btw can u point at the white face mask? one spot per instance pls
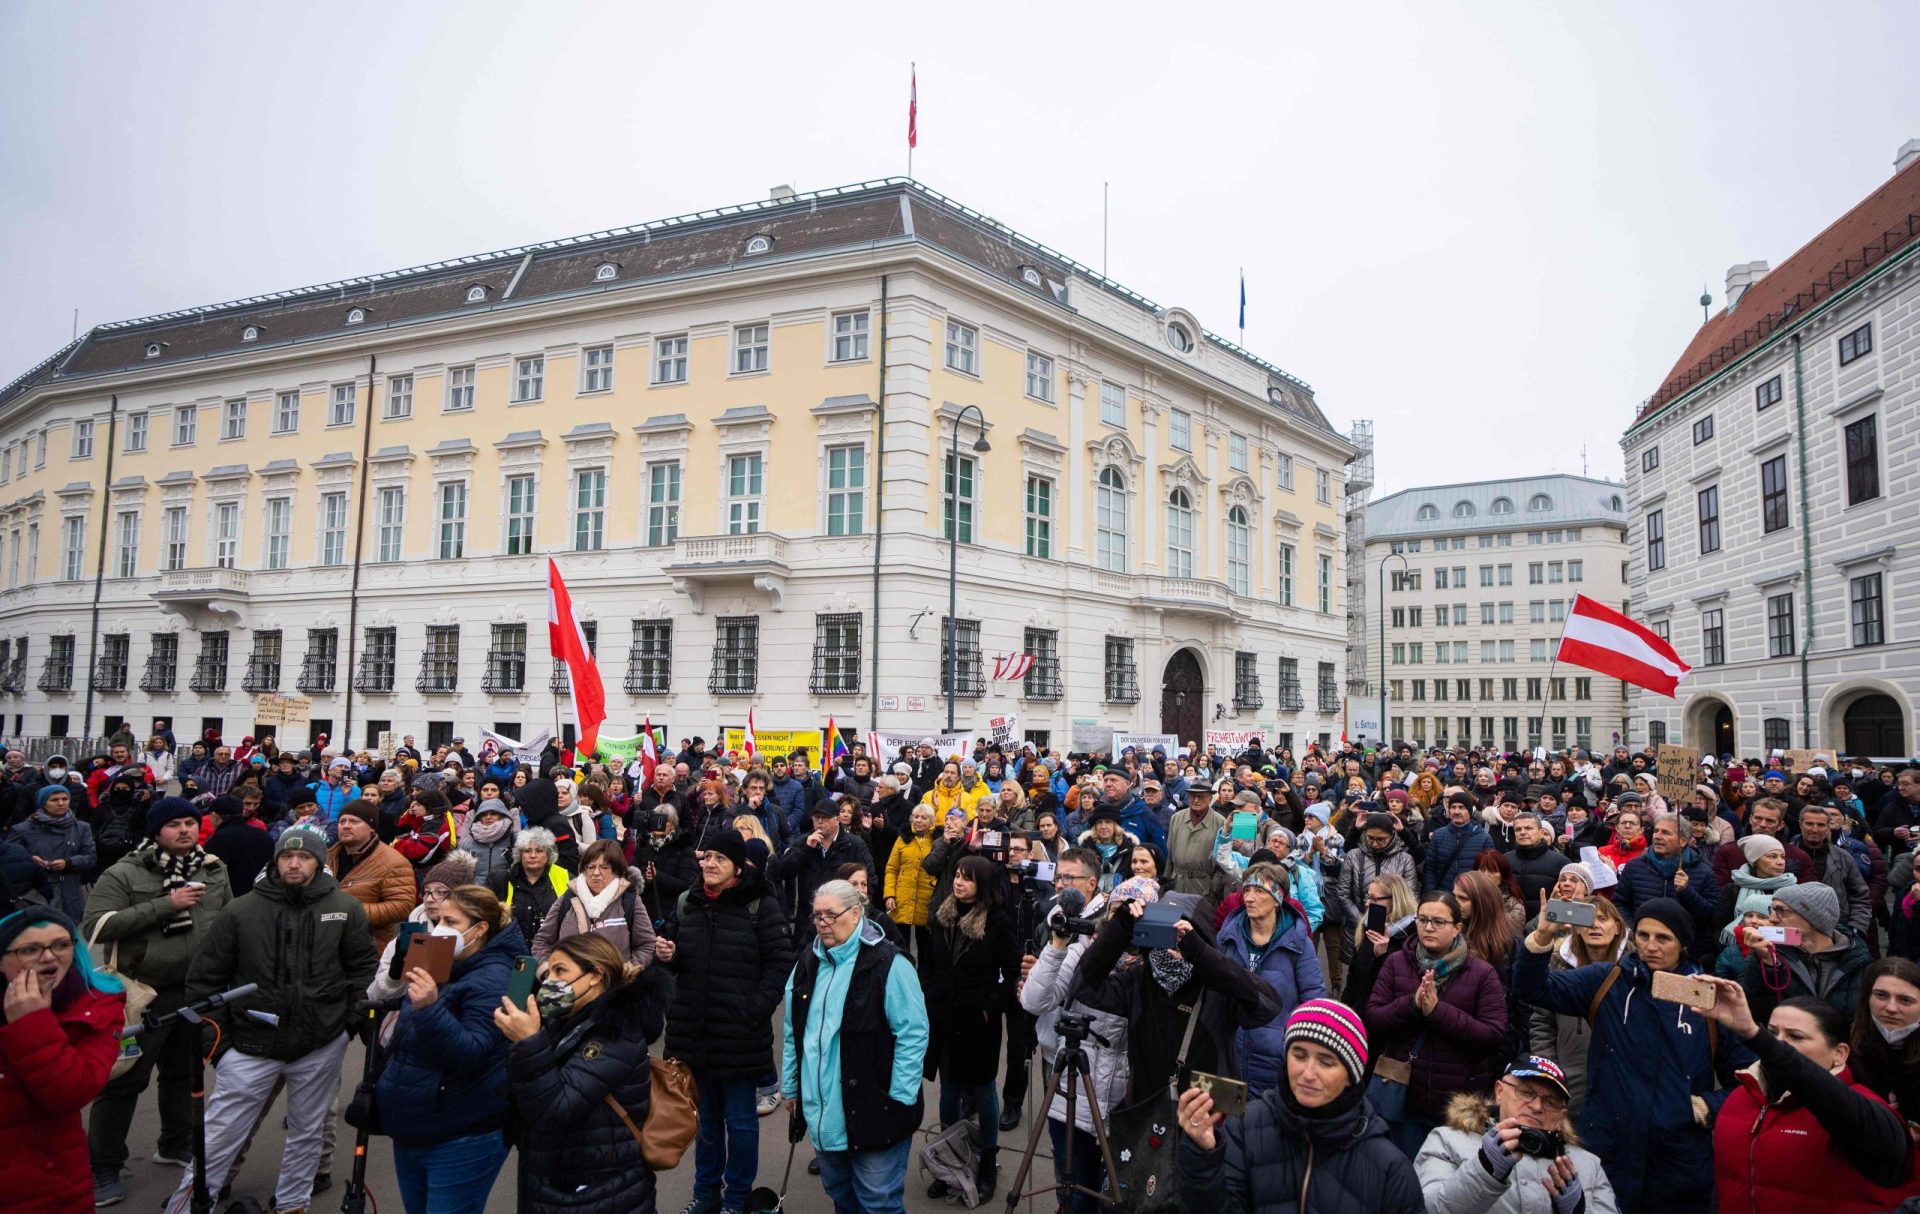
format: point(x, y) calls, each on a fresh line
point(459, 937)
point(1896, 1036)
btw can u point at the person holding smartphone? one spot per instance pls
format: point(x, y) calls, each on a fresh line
point(1825, 963)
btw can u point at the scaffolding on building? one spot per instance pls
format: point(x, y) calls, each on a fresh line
point(1359, 488)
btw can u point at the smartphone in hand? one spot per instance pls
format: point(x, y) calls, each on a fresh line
point(1229, 1095)
point(1691, 990)
point(524, 976)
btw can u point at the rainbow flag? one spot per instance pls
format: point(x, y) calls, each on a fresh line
point(837, 746)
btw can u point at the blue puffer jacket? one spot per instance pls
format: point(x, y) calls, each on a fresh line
point(446, 1072)
point(1290, 967)
point(1646, 1061)
point(1451, 850)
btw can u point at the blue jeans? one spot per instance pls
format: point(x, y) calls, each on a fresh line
point(452, 1177)
point(728, 1146)
point(1087, 1168)
point(866, 1182)
point(985, 1099)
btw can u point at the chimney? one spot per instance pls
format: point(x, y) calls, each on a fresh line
point(1908, 153)
point(781, 193)
point(1740, 277)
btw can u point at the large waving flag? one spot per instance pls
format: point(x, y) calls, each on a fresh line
point(749, 745)
point(1599, 638)
point(569, 645)
point(649, 754)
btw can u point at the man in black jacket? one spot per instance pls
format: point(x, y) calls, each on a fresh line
point(1536, 863)
point(307, 946)
point(811, 862)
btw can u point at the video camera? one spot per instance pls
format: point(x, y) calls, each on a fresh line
point(992, 843)
point(1038, 870)
point(1067, 918)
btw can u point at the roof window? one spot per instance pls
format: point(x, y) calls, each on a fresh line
point(759, 244)
point(357, 316)
point(476, 294)
point(250, 333)
point(607, 272)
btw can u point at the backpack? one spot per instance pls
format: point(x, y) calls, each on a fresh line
point(952, 1154)
point(117, 830)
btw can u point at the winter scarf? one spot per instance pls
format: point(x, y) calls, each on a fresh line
point(491, 829)
point(1666, 866)
point(596, 904)
point(1447, 964)
point(176, 871)
point(1170, 969)
point(972, 924)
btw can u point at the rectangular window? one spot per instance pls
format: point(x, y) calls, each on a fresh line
point(343, 404)
point(1487, 652)
point(226, 534)
point(1326, 584)
point(1656, 539)
point(1537, 650)
point(1486, 613)
point(1576, 571)
point(286, 412)
point(82, 445)
point(279, 531)
point(186, 425)
point(746, 475)
point(1237, 452)
point(1583, 688)
point(1285, 465)
point(1703, 430)
point(1766, 394)
point(960, 656)
point(1292, 696)
point(210, 667)
point(846, 490)
point(392, 513)
point(399, 402)
point(459, 389)
point(173, 527)
point(1180, 430)
point(1780, 625)
point(1113, 405)
point(957, 499)
point(263, 665)
point(1537, 611)
point(1713, 637)
point(1506, 575)
point(506, 659)
point(736, 656)
point(233, 419)
point(663, 504)
point(1039, 517)
point(1773, 494)
point(962, 352)
point(1506, 613)
point(378, 655)
point(1661, 629)
point(453, 520)
point(440, 661)
point(529, 377)
point(1329, 689)
point(1286, 575)
point(1122, 681)
point(320, 668)
point(1323, 487)
point(1556, 611)
point(333, 529)
point(1506, 651)
point(849, 336)
point(589, 509)
point(1043, 677)
point(520, 508)
point(163, 663)
point(1419, 688)
point(596, 369)
point(836, 655)
point(1857, 344)
point(650, 659)
point(126, 560)
point(1869, 626)
point(1709, 505)
point(670, 359)
point(116, 656)
point(1246, 682)
point(1486, 575)
point(749, 349)
point(1039, 376)
point(1863, 460)
point(1649, 459)
point(1776, 733)
point(1536, 571)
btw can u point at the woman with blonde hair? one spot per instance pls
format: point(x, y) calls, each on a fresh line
point(751, 828)
point(1370, 949)
point(909, 887)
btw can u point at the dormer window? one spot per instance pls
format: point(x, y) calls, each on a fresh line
point(1180, 337)
point(1501, 505)
point(357, 316)
point(1030, 276)
point(250, 333)
point(1428, 513)
point(757, 245)
point(476, 294)
point(1539, 502)
point(607, 272)
point(1276, 396)
point(1463, 510)
point(155, 349)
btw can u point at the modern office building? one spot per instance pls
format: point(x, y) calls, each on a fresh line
point(734, 432)
point(1474, 582)
point(1773, 484)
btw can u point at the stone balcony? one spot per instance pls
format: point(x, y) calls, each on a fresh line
point(207, 588)
point(703, 560)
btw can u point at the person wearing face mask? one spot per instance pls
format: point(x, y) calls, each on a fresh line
point(1799, 1132)
point(580, 1083)
point(442, 1093)
point(1886, 1034)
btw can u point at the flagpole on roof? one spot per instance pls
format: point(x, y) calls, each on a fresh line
point(913, 113)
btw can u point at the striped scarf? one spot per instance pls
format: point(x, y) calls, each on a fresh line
point(176, 871)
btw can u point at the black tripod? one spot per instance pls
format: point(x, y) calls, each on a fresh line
point(201, 1200)
point(1070, 1069)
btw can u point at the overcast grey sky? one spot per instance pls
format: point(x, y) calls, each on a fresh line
point(1483, 225)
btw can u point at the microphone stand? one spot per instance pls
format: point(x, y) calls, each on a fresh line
point(192, 1013)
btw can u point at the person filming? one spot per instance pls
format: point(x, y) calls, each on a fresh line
point(1502, 1156)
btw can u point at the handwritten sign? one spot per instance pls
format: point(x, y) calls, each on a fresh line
point(271, 708)
point(1676, 769)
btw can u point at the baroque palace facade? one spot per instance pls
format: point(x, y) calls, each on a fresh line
point(731, 430)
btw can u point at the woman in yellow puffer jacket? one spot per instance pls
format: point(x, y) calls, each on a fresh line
point(909, 887)
point(948, 792)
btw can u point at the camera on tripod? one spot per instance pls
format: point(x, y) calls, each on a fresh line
point(1039, 870)
point(1066, 919)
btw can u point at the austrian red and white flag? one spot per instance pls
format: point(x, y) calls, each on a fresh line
point(748, 744)
point(913, 107)
point(1013, 666)
point(1600, 638)
point(569, 645)
point(649, 755)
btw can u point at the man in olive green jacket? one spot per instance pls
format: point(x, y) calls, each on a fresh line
point(1190, 842)
point(154, 906)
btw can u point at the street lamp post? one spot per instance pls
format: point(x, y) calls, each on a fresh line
point(1381, 598)
point(981, 446)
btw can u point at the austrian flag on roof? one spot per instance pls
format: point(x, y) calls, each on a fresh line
point(1600, 638)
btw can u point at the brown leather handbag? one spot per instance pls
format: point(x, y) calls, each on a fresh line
point(673, 1115)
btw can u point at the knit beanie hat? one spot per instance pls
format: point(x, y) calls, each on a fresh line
point(1674, 918)
point(730, 844)
point(1756, 846)
point(368, 813)
point(455, 870)
point(1334, 1026)
point(166, 809)
point(40, 798)
point(1751, 900)
point(1813, 901)
point(1580, 872)
point(299, 838)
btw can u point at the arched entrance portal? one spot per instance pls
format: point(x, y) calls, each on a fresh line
point(1709, 726)
point(1183, 695)
point(1723, 731)
point(1874, 725)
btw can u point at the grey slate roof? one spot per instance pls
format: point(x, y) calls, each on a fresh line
point(1570, 501)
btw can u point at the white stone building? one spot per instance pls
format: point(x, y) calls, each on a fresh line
point(1774, 498)
point(1477, 581)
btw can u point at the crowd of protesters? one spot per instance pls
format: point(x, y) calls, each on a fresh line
point(1453, 981)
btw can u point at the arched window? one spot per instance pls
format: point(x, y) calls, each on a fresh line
point(757, 245)
point(154, 348)
point(1613, 503)
point(1501, 505)
point(1180, 337)
point(1110, 520)
point(1179, 534)
point(357, 316)
point(1428, 513)
point(250, 333)
point(1239, 545)
point(1463, 510)
point(476, 294)
point(1539, 502)
point(606, 273)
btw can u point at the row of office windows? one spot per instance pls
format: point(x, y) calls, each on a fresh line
point(1457, 615)
point(1491, 690)
point(1462, 731)
point(1504, 539)
point(1539, 573)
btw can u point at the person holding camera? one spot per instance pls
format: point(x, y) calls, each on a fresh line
point(1501, 1156)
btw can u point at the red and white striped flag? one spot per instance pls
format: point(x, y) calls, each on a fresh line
point(649, 756)
point(913, 107)
point(1599, 638)
point(569, 644)
point(1013, 666)
point(747, 744)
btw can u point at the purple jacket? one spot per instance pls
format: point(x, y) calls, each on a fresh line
point(1460, 1044)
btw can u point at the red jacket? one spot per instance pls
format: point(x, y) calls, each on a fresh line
point(51, 1065)
point(1770, 1158)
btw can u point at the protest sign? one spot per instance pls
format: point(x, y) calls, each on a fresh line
point(1230, 741)
point(770, 742)
point(271, 708)
point(1145, 742)
point(527, 750)
point(1002, 729)
point(1088, 736)
point(947, 746)
point(1676, 769)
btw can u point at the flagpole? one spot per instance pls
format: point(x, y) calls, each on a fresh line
point(1546, 691)
point(913, 113)
point(1243, 307)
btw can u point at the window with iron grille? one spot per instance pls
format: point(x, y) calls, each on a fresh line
point(960, 655)
point(1246, 682)
point(506, 659)
point(1780, 625)
point(210, 667)
point(110, 671)
point(440, 661)
point(57, 674)
point(1123, 677)
point(1713, 637)
point(1777, 733)
point(1657, 733)
point(1292, 699)
point(1863, 460)
point(15, 679)
point(319, 668)
point(836, 655)
point(1869, 627)
point(163, 663)
point(377, 660)
point(1043, 677)
point(263, 665)
point(560, 682)
point(650, 660)
point(1329, 689)
point(736, 656)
